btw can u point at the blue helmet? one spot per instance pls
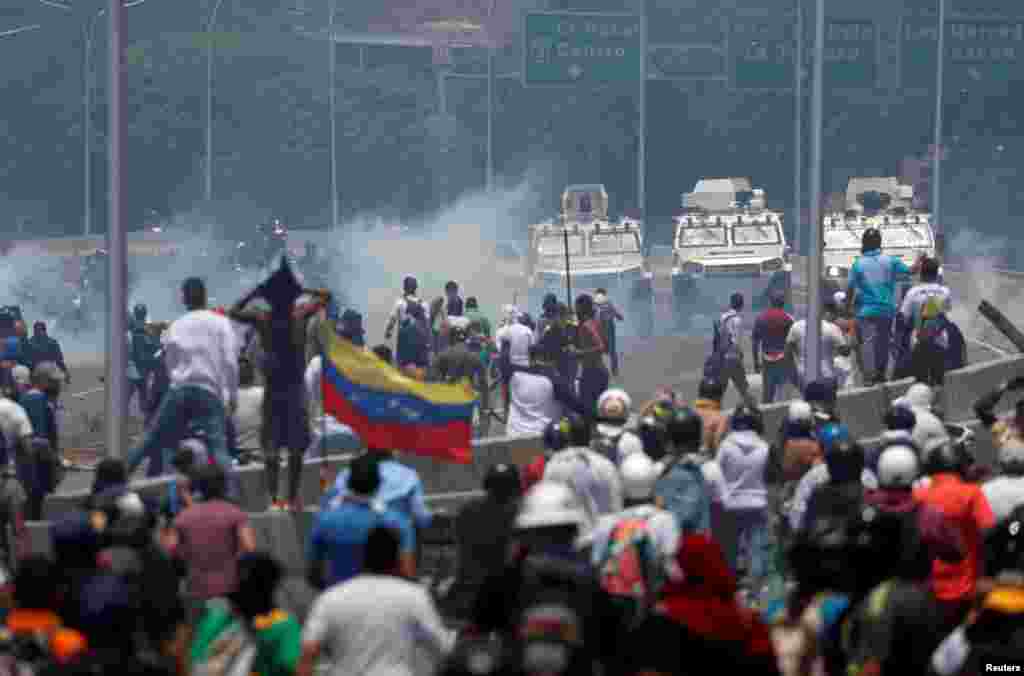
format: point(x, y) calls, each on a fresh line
point(832, 434)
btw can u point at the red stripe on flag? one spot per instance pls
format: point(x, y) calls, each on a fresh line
point(450, 442)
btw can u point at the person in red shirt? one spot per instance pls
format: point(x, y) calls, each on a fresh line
point(701, 595)
point(769, 348)
point(965, 506)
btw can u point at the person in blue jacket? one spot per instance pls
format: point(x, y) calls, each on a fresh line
point(872, 284)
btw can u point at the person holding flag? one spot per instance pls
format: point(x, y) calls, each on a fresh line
point(282, 334)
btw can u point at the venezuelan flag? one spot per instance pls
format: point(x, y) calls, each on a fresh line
point(389, 410)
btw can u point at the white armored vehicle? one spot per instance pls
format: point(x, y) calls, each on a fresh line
point(727, 240)
point(880, 203)
point(602, 252)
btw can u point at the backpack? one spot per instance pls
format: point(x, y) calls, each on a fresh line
point(629, 565)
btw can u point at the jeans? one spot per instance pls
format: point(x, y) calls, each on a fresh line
point(613, 350)
point(593, 383)
point(184, 408)
point(875, 338)
point(751, 544)
point(774, 376)
point(733, 371)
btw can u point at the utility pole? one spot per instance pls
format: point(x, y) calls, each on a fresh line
point(798, 131)
point(117, 355)
point(813, 334)
point(937, 150)
point(334, 122)
point(208, 191)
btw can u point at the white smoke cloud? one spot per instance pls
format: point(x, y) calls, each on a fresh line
point(975, 277)
point(369, 260)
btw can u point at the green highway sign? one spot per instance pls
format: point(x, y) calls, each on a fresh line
point(851, 53)
point(685, 62)
point(977, 50)
point(762, 52)
point(574, 48)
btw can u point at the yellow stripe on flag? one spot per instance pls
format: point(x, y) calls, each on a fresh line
point(364, 368)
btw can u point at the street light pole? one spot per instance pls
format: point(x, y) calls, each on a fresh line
point(208, 192)
point(117, 356)
point(936, 182)
point(813, 332)
point(641, 148)
point(88, 83)
point(334, 123)
point(798, 131)
point(490, 100)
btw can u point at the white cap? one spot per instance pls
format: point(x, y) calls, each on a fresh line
point(800, 410)
point(551, 503)
point(639, 474)
point(629, 444)
point(898, 467)
point(130, 504)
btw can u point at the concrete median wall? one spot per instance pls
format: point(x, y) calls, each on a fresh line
point(449, 486)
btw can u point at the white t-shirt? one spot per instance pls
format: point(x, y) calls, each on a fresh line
point(201, 350)
point(519, 338)
point(532, 404)
point(376, 625)
point(594, 477)
point(831, 340)
point(918, 295)
point(398, 314)
point(14, 423)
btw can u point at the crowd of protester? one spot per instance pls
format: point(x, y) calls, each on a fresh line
point(672, 537)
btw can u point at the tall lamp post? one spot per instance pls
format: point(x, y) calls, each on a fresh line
point(117, 296)
point(88, 29)
point(936, 182)
point(208, 185)
point(332, 65)
point(813, 344)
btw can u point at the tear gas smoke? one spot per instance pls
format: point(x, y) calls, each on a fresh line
point(977, 277)
point(369, 259)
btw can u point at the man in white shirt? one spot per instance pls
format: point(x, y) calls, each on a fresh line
point(201, 353)
point(832, 343)
point(515, 339)
point(537, 395)
point(377, 623)
point(409, 288)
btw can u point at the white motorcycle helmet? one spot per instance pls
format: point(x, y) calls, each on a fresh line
point(639, 474)
point(551, 503)
point(629, 444)
point(898, 466)
point(1011, 458)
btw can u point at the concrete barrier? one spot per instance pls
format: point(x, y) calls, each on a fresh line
point(964, 386)
point(861, 410)
point(284, 535)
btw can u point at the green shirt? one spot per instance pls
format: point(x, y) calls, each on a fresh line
point(277, 634)
point(485, 323)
